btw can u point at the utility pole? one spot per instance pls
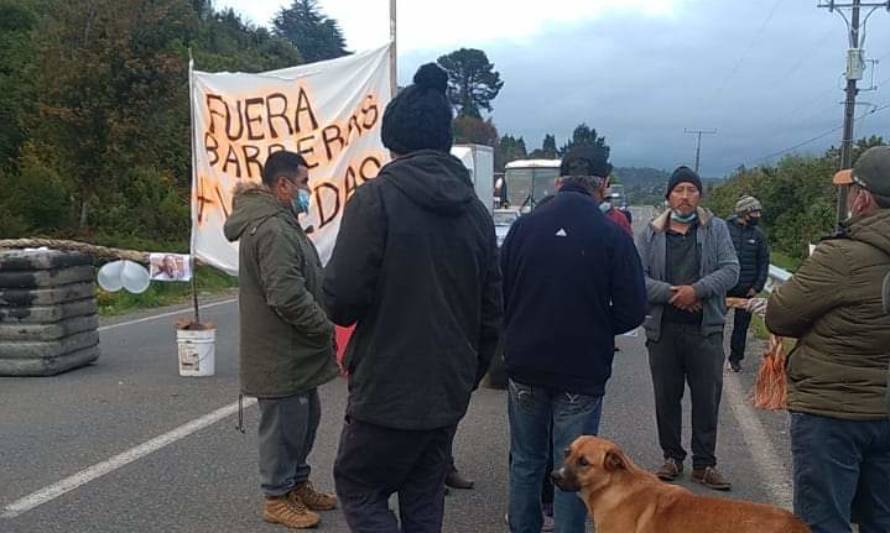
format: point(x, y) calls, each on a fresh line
point(854, 73)
point(393, 57)
point(699, 133)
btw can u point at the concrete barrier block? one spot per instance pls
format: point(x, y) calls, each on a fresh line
point(52, 296)
point(49, 366)
point(47, 314)
point(44, 279)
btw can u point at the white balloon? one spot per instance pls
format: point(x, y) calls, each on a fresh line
point(109, 277)
point(135, 277)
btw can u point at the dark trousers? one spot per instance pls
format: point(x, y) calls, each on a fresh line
point(739, 335)
point(684, 355)
point(841, 473)
point(373, 462)
point(286, 436)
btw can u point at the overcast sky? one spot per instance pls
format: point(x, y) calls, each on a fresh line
point(765, 73)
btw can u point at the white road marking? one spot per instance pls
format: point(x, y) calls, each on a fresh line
point(165, 315)
point(98, 470)
point(769, 466)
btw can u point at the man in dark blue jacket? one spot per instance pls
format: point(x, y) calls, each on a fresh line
point(753, 251)
point(572, 281)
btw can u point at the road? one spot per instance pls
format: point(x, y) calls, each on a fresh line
point(59, 429)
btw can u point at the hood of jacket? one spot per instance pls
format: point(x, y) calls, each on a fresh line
point(872, 229)
point(660, 223)
point(437, 181)
point(252, 203)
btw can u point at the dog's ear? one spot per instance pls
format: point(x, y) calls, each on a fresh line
point(614, 461)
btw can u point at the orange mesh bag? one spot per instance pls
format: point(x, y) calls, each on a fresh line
point(770, 391)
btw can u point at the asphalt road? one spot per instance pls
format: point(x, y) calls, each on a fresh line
point(54, 428)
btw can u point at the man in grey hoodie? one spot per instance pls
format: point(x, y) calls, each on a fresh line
point(690, 264)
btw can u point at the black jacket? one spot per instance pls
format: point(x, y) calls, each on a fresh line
point(753, 251)
point(415, 266)
point(572, 281)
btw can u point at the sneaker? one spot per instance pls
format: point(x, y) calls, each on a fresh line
point(711, 478)
point(311, 498)
point(735, 366)
point(549, 524)
point(457, 481)
point(670, 470)
point(284, 511)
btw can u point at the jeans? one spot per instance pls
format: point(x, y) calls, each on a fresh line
point(741, 321)
point(541, 418)
point(286, 436)
point(841, 473)
point(373, 462)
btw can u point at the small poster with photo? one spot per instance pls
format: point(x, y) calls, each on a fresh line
point(170, 267)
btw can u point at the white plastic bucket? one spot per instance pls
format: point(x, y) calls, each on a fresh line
point(196, 351)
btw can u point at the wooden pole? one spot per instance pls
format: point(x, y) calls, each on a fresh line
point(393, 51)
point(194, 182)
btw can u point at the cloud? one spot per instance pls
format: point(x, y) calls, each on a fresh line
point(764, 73)
point(432, 24)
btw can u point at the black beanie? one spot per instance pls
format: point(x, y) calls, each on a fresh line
point(419, 117)
point(683, 175)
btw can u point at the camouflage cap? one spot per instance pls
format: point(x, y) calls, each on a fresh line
point(872, 170)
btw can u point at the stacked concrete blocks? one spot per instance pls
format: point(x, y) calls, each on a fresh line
point(48, 321)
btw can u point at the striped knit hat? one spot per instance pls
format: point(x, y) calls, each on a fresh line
point(747, 204)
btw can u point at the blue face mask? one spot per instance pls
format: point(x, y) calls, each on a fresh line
point(605, 207)
point(676, 216)
point(301, 203)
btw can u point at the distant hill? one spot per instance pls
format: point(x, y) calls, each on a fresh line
point(642, 185)
point(645, 185)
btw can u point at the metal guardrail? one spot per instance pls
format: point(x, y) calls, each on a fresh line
point(777, 276)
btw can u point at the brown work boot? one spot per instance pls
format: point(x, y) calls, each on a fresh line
point(670, 470)
point(311, 498)
point(282, 510)
point(711, 478)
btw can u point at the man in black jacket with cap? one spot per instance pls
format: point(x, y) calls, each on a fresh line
point(415, 267)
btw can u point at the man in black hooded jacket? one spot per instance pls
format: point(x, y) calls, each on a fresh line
point(415, 267)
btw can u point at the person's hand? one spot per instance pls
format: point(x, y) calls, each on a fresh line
point(757, 306)
point(685, 298)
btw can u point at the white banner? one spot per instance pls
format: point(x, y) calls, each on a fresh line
point(330, 112)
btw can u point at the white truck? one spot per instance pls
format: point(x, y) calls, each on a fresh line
point(479, 160)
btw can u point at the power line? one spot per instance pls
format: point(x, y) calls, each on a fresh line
point(820, 136)
point(744, 54)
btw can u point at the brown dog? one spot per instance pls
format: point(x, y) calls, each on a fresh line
point(623, 498)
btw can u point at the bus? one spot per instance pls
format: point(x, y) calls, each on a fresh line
point(527, 181)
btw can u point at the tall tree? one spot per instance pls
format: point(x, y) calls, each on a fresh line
point(17, 22)
point(472, 81)
point(509, 148)
point(584, 134)
point(547, 150)
point(475, 131)
point(316, 36)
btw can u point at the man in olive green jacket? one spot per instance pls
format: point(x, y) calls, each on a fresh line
point(286, 337)
point(837, 373)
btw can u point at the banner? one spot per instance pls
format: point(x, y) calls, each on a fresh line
point(330, 112)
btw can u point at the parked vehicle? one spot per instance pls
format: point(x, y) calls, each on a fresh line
point(479, 160)
point(528, 181)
